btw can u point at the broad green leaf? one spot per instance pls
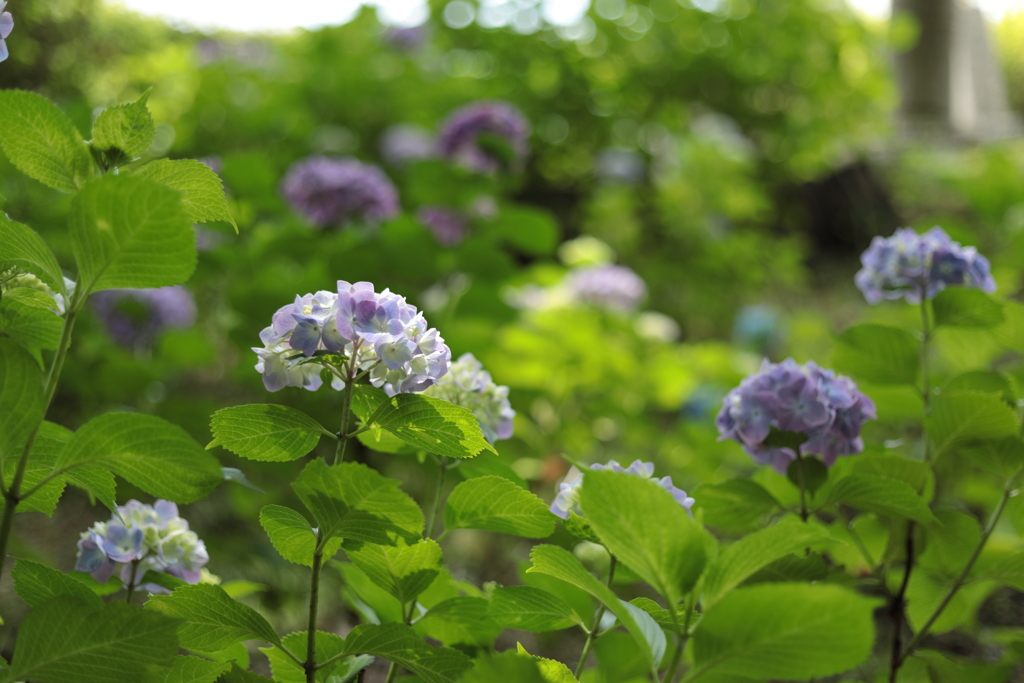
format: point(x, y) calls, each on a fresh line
point(987, 381)
point(962, 307)
point(328, 645)
point(21, 400)
point(506, 667)
point(914, 472)
point(749, 554)
point(482, 467)
point(809, 470)
point(531, 609)
point(352, 501)
point(784, 631)
point(292, 535)
point(400, 644)
point(235, 654)
point(202, 190)
point(434, 425)
point(371, 602)
point(162, 579)
point(669, 555)
point(459, 621)
point(950, 543)
point(124, 131)
point(964, 417)
point(927, 590)
point(25, 317)
point(653, 634)
point(240, 675)
point(42, 142)
point(561, 564)
point(36, 583)
point(49, 443)
point(661, 615)
point(266, 431)
point(883, 496)
point(551, 671)
point(736, 505)
point(404, 571)
point(130, 232)
point(1010, 333)
point(70, 640)
point(194, 670)
point(212, 620)
point(22, 247)
point(1008, 570)
point(877, 353)
point(497, 504)
point(95, 480)
point(797, 568)
point(151, 453)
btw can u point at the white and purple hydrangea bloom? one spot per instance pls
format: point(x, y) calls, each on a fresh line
point(448, 226)
point(608, 286)
point(467, 384)
point(387, 336)
point(467, 127)
point(6, 26)
point(805, 399)
point(152, 537)
point(908, 265)
point(134, 318)
point(329, 191)
point(567, 499)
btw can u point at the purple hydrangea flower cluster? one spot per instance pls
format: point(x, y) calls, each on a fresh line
point(328, 191)
point(136, 317)
point(152, 535)
point(448, 226)
point(567, 499)
point(607, 286)
point(405, 142)
point(6, 26)
point(467, 384)
point(407, 38)
point(461, 135)
point(385, 335)
point(908, 265)
point(806, 399)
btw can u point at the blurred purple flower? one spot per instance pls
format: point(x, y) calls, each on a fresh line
point(405, 142)
point(908, 265)
point(448, 226)
point(136, 317)
point(607, 286)
point(329, 191)
point(486, 136)
point(407, 38)
point(827, 408)
point(567, 499)
point(6, 26)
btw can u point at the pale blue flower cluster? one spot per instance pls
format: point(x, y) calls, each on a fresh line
point(469, 126)
point(134, 318)
point(387, 336)
point(154, 536)
point(567, 499)
point(908, 265)
point(467, 384)
point(827, 408)
point(405, 142)
point(329, 191)
point(6, 26)
point(608, 286)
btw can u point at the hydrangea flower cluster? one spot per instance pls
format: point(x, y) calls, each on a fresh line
point(806, 399)
point(404, 142)
point(152, 535)
point(384, 334)
point(461, 135)
point(567, 499)
point(907, 265)
point(134, 318)
point(6, 26)
point(13, 278)
point(329, 191)
point(467, 384)
point(448, 226)
point(407, 38)
point(607, 286)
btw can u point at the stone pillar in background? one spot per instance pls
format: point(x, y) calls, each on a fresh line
point(951, 84)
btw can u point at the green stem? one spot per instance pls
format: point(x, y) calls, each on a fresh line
point(592, 633)
point(803, 485)
point(681, 639)
point(314, 600)
point(131, 581)
point(437, 498)
point(926, 391)
point(346, 406)
point(13, 494)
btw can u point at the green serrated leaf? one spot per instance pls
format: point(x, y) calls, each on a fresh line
point(49, 443)
point(661, 616)
point(25, 318)
point(670, 555)
point(794, 568)
point(400, 644)
point(551, 671)
point(71, 640)
point(212, 620)
point(809, 470)
point(328, 645)
point(404, 571)
point(531, 609)
point(130, 232)
point(292, 535)
point(202, 190)
point(36, 584)
point(962, 307)
point(887, 497)
point(42, 142)
point(239, 675)
point(959, 418)
point(21, 400)
point(879, 354)
point(1002, 457)
point(22, 247)
point(460, 620)
point(507, 667)
point(987, 381)
point(918, 474)
point(434, 425)
point(126, 130)
point(266, 432)
point(736, 505)
point(194, 670)
point(497, 504)
point(151, 453)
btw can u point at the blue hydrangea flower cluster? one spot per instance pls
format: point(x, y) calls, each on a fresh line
point(386, 335)
point(152, 535)
point(908, 265)
point(448, 226)
point(467, 384)
point(608, 286)
point(567, 499)
point(461, 135)
point(806, 399)
point(6, 26)
point(329, 191)
point(134, 318)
